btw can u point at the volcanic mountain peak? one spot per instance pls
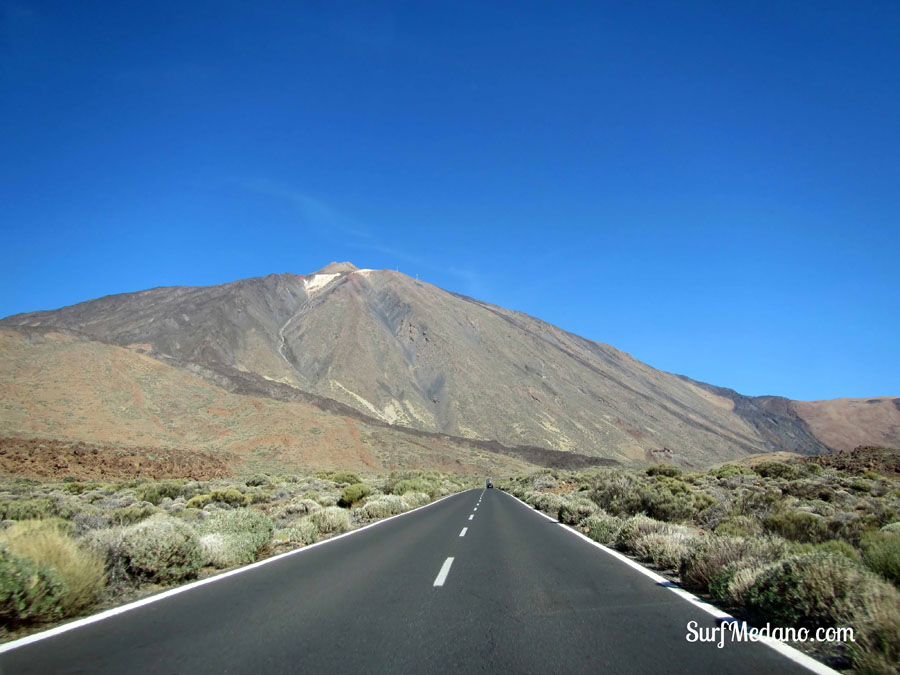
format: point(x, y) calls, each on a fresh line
point(411, 354)
point(337, 268)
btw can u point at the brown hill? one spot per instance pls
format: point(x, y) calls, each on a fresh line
point(404, 353)
point(61, 387)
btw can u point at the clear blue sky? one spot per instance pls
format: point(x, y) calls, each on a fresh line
point(712, 187)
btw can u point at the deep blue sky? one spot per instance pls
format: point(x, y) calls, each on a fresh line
point(712, 188)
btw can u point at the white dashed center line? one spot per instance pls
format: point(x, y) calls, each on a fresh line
point(472, 516)
point(442, 575)
point(463, 533)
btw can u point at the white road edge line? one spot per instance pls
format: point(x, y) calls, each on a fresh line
point(463, 533)
point(109, 613)
point(442, 575)
point(787, 651)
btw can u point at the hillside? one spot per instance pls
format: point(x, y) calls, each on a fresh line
point(408, 354)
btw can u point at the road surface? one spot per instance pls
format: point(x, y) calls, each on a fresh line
point(521, 595)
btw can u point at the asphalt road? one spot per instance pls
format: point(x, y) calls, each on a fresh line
point(522, 595)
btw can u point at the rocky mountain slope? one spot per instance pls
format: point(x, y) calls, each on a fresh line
point(408, 354)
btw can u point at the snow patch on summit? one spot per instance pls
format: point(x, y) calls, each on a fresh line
point(318, 281)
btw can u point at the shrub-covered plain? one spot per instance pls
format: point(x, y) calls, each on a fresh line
point(794, 544)
point(68, 548)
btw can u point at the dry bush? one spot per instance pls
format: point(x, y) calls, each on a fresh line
point(666, 551)
point(79, 567)
point(331, 520)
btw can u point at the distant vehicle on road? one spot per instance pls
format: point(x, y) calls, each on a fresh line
point(489, 483)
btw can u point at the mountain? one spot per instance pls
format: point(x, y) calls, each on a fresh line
point(406, 354)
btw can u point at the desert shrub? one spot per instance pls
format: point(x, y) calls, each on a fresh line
point(575, 509)
point(602, 527)
point(809, 489)
point(548, 502)
point(155, 491)
point(814, 590)
point(731, 471)
point(198, 501)
point(739, 526)
point(664, 470)
point(848, 526)
point(663, 550)
point(222, 550)
point(891, 527)
point(293, 508)
point(877, 628)
point(383, 506)
point(881, 553)
point(346, 477)
point(776, 470)
point(304, 531)
point(240, 536)
point(28, 592)
point(810, 469)
point(231, 497)
point(414, 500)
point(716, 559)
point(161, 549)
point(257, 480)
point(836, 547)
point(28, 509)
point(352, 494)
point(331, 520)
point(50, 547)
point(636, 527)
point(415, 485)
point(798, 526)
point(132, 514)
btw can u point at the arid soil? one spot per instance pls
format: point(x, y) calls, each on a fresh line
point(49, 459)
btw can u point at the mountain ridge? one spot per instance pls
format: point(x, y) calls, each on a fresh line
point(409, 354)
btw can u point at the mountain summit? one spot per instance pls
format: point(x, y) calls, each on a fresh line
point(408, 353)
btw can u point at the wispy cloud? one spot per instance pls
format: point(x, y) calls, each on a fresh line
point(362, 235)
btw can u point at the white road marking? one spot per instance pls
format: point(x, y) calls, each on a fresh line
point(115, 611)
point(472, 516)
point(786, 651)
point(442, 575)
point(463, 533)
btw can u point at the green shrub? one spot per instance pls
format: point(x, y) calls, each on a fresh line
point(155, 491)
point(304, 532)
point(574, 509)
point(881, 552)
point(891, 527)
point(383, 506)
point(663, 550)
point(877, 628)
point(776, 470)
point(258, 480)
point(813, 590)
point(161, 549)
point(602, 528)
point(346, 477)
point(739, 526)
point(50, 547)
point(28, 592)
point(248, 529)
point(731, 471)
point(132, 514)
point(639, 526)
point(331, 520)
point(414, 500)
point(415, 485)
point(231, 496)
point(664, 470)
point(352, 494)
point(28, 509)
point(798, 526)
point(715, 559)
point(198, 501)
